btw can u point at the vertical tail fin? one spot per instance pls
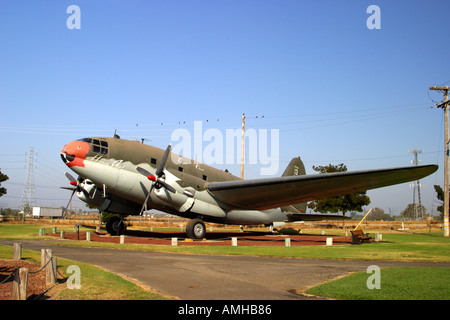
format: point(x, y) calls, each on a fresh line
point(295, 168)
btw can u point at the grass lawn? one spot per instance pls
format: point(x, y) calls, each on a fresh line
point(396, 283)
point(405, 247)
point(396, 246)
point(31, 231)
point(96, 283)
point(412, 283)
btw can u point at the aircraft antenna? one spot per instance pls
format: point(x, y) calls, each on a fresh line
point(28, 194)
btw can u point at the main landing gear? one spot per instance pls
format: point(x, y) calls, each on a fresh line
point(195, 229)
point(115, 226)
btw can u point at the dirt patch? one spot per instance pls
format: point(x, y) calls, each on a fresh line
point(36, 281)
point(212, 238)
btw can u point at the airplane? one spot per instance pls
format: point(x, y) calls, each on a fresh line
point(128, 177)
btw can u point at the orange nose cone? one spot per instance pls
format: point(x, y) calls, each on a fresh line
point(74, 153)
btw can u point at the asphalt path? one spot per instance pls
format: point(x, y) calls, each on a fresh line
point(215, 277)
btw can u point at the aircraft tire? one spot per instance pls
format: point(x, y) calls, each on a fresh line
point(115, 226)
point(195, 229)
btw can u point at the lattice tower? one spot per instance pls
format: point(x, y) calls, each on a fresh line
point(28, 194)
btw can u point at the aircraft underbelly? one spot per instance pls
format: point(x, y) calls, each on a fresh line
point(254, 216)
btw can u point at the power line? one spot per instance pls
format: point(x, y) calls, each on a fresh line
point(356, 115)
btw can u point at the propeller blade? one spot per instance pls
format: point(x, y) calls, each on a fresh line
point(70, 199)
point(160, 170)
point(166, 185)
point(70, 177)
point(146, 173)
point(144, 206)
point(143, 171)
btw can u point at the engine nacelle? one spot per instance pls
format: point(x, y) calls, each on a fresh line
point(92, 195)
point(89, 194)
point(179, 200)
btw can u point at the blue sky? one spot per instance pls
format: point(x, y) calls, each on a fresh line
point(336, 90)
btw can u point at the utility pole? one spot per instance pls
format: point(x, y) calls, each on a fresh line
point(444, 105)
point(243, 146)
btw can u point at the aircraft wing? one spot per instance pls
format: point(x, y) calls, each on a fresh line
point(268, 193)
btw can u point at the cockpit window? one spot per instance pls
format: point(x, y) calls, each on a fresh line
point(98, 146)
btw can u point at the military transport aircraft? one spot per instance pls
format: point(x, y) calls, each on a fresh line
point(128, 177)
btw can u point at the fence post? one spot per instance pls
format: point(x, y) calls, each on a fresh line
point(42, 257)
point(50, 269)
point(54, 271)
point(287, 242)
point(20, 284)
point(17, 251)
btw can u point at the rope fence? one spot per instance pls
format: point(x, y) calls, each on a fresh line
point(20, 281)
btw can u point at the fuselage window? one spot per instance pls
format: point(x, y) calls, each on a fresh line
point(205, 177)
point(153, 161)
point(180, 169)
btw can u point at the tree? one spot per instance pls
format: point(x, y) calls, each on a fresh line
point(3, 177)
point(378, 214)
point(413, 210)
point(440, 196)
point(344, 203)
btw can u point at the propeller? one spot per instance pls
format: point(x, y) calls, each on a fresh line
point(158, 180)
point(74, 183)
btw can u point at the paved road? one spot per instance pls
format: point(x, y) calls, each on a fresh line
point(199, 277)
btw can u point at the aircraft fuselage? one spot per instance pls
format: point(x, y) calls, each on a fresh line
point(109, 180)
